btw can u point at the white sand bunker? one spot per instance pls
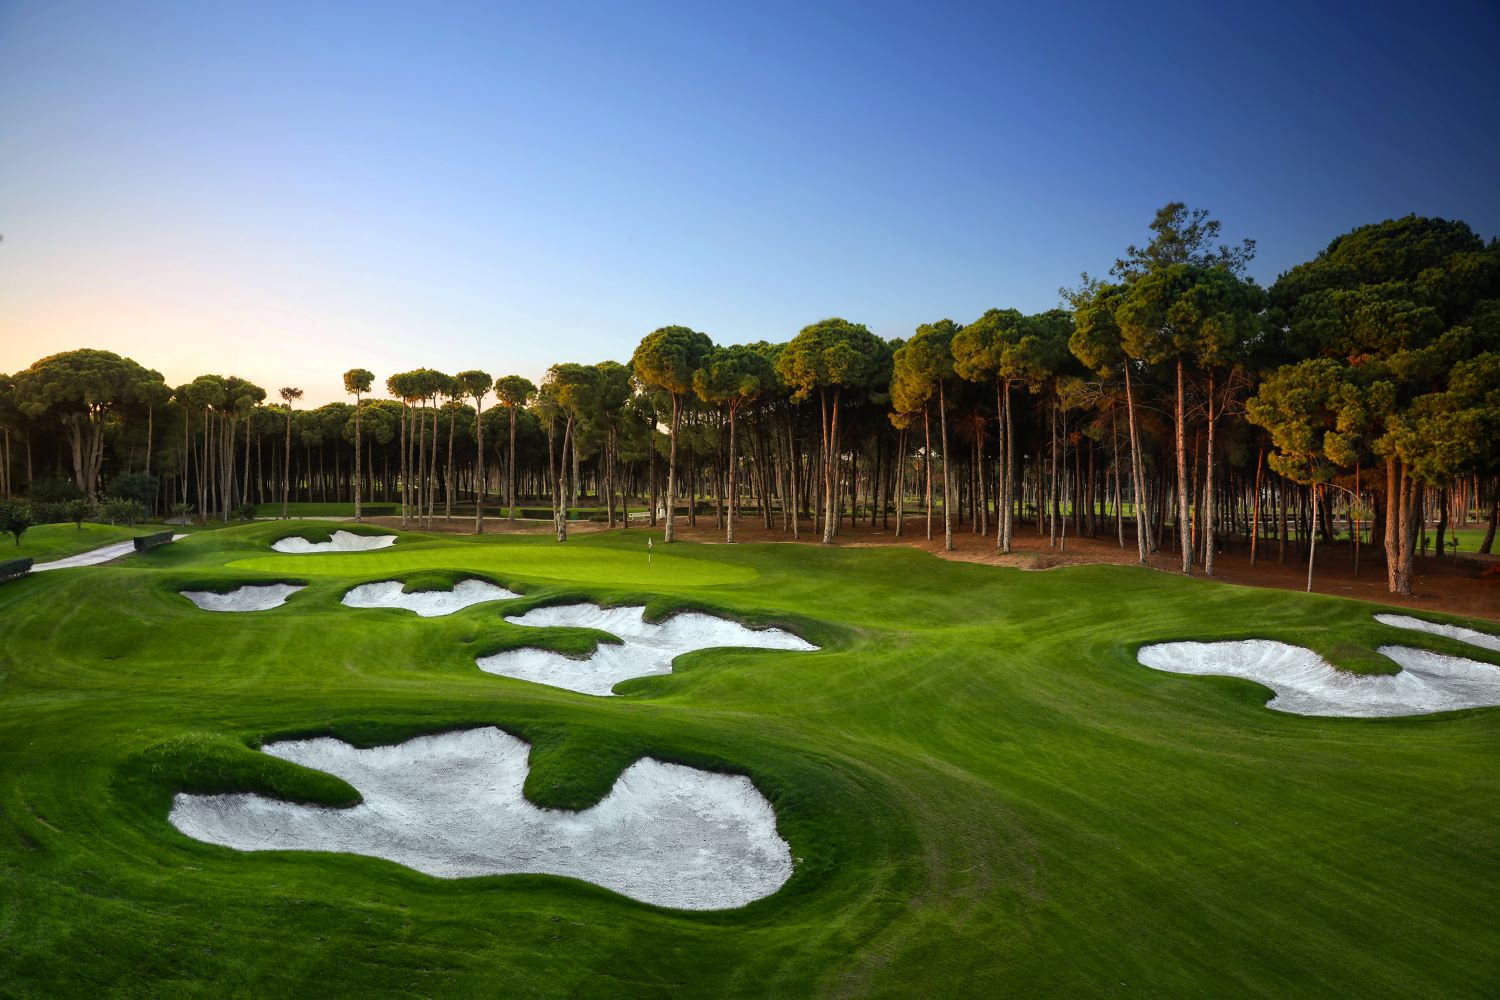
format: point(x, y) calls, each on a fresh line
point(647, 649)
point(427, 603)
point(342, 541)
point(248, 598)
point(1307, 684)
point(1472, 636)
point(451, 805)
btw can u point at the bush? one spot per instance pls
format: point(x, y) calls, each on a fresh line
point(80, 510)
point(116, 510)
point(51, 511)
point(245, 512)
point(51, 490)
point(14, 569)
point(152, 541)
point(137, 486)
point(15, 518)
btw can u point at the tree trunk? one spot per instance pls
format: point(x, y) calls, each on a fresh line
point(1209, 532)
point(1137, 473)
point(432, 468)
point(947, 478)
point(1312, 536)
point(448, 486)
point(1184, 523)
point(510, 466)
point(900, 482)
point(480, 486)
point(404, 466)
point(651, 475)
point(560, 505)
point(672, 470)
point(1260, 460)
point(1393, 504)
point(927, 456)
point(791, 453)
point(1442, 525)
point(1114, 464)
point(729, 523)
point(1058, 487)
point(1052, 497)
point(830, 465)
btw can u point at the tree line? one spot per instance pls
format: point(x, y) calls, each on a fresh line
point(1173, 404)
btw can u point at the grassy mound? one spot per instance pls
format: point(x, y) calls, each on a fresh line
point(46, 542)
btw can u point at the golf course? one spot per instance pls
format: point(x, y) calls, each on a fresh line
point(830, 501)
point(981, 790)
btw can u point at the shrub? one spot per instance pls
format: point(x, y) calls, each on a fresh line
point(80, 510)
point(52, 490)
point(119, 509)
point(15, 518)
point(245, 512)
point(137, 486)
point(14, 569)
point(50, 511)
point(152, 541)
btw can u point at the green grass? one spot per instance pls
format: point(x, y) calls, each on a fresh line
point(316, 509)
point(331, 508)
point(986, 794)
point(47, 542)
point(1469, 539)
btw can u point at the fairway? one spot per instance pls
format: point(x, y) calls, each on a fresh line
point(518, 559)
point(983, 792)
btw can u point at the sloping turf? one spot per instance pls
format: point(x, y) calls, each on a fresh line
point(46, 542)
point(985, 794)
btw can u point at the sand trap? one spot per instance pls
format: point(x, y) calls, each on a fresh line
point(93, 557)
point(342, 541)
point(1306, 684)
point(427, 603)
point(247, 598)
point(1472, 636)
point(647, 649)
point(450, 805)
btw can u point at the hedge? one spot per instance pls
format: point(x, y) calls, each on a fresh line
point(145, 542)
point(14, 569)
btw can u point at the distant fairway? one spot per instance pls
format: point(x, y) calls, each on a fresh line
point(983, 792)
point(518, 558)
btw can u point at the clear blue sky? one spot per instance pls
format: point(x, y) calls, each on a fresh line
point(284, 191)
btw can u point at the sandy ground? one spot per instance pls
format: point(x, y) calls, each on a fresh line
point(247, 598)
point(1306, 684)
point(94, 557)
point(451, 805)
point(645, 648)
point(341, 541)
point(426, 603)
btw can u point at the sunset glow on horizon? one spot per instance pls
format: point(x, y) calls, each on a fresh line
point(284, 197)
